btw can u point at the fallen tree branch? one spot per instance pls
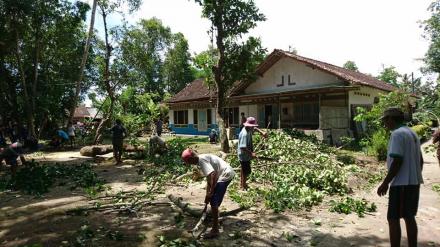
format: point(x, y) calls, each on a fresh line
point(115, 207)
point(185, 207)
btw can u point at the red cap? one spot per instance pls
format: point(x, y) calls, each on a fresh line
point(186, 154)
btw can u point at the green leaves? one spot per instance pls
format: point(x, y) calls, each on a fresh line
point(298, 172)
point(36, 179)
point(347, 205)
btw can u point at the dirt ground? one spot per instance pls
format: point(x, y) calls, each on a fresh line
point(27, 220)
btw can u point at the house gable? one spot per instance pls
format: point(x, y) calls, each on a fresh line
point(288, 74)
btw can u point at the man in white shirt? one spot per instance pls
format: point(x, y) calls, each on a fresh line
point(405, 164)
point(218, 174)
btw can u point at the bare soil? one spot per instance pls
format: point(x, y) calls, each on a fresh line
point(27, 220)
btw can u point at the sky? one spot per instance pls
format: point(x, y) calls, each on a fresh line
point(372, 33)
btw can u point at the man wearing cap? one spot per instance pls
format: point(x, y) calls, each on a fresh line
point(405, 164)
point(10, 155)
point(245, 149)
point(218, 174)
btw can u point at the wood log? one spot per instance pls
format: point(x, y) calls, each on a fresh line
point(92, 151)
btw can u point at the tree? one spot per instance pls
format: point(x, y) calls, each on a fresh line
point(83, 62)
point(177, 67)
point(40, 40)
point(106, 8)
point(351, 66)
point(390, 75)
point(230, 21)
point(142, 49)
point(432, 33)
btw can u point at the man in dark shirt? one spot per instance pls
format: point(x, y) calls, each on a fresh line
point(159, 124)
point(119, 134)
point(10, 155)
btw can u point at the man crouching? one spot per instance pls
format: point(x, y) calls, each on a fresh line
point(218, 174)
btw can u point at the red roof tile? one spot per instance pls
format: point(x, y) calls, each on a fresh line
point(195, 91)
point(350, 76)
point(198, 91)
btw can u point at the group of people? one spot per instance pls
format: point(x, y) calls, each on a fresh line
point(404, 163)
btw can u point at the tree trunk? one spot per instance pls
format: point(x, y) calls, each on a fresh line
point(108, 87)
point(35, 81)
point(83, 63)
point(28, 108)
point(218, 70)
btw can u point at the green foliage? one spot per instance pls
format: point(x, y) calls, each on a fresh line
point(376, 136)
point(142, 46)
point(172, 159)
point(422, 131)
point(36, 179)
point(346, 159)
point(350, 65)
point(372, 116)
point(379, 144)
point(390, 75)
point(436, 188)
point(51, 37)
point(178, 242)
point(298, 172)
point(348, 205)
point(177, 67)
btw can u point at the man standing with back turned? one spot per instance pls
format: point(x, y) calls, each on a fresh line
point(119, 134)
point(405, 164)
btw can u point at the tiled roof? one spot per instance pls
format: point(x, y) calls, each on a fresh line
point(90, 112)
point(350, 76)
point(195, 91)
point(198, 91)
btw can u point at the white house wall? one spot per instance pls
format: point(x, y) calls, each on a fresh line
point(301, 77)
point(191, 116)
point(171, 117)
point(364, 96)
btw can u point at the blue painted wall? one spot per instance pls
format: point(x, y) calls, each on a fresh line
point(191, 130)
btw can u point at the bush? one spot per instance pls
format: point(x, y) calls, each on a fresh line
point(379, 144)
point(423, 131)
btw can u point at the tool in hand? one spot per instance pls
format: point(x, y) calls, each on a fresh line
point(198, 230)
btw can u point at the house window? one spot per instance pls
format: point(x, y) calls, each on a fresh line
point(288, 79)
point(209, 117)
point(285, 111)
point(231, 117)
point(181, 119)
point(306, 114)
point(195, 118)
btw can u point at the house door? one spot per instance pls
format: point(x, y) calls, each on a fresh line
point(268, 117)
point(202, 124)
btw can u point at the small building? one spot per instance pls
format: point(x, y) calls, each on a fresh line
point(83, 114)
point(290, 91)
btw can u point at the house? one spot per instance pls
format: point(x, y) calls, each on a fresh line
point(290, 91)
point(83, 114)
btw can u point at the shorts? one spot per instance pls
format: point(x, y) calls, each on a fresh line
point(11, 161)
point(246, 168)
point(403, 201)
point(219, 193)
